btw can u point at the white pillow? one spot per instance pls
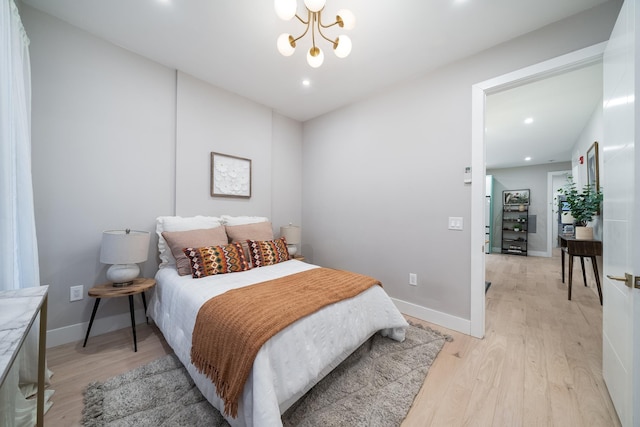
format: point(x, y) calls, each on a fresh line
point(242, 220)
point(177, 223)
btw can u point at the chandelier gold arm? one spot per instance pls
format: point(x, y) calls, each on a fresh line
point(314, 19)
point(339, 22)
point(334, 43)
point(302, 20)
point(292, 41)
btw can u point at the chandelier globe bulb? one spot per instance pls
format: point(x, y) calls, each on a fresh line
point(314, 5)
point(348, 19)
point(342, 46)
point(284, 45)
point(315, 57)
point(285, 9)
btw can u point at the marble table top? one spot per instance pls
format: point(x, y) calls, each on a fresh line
point(18, 310)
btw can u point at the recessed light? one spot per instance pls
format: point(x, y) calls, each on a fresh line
point(527, 159)
point(306, 82)
point(528, 120)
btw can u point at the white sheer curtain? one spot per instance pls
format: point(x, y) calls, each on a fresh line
point(18, 245)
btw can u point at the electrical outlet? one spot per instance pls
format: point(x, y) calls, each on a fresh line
point(413, 279)
point(75, 293)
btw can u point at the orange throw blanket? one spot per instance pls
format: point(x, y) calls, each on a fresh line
point(231, 328)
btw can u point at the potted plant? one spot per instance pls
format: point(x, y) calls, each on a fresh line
point(584, 205)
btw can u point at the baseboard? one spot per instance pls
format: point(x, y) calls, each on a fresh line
point(439, 318)
point(101, 325)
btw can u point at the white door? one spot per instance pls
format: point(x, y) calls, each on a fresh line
point(620, 181)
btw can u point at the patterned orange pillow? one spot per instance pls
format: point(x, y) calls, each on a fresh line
point(268, 252)
point(210, 260)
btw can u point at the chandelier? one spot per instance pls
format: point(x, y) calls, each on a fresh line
point(287, 9)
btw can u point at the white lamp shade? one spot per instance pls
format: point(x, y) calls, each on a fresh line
point(122, 247)
point(284, 46)
point(291, 233)
point(344, 46)
point(348, 19)
point(314, 5)
point(285, 9)
point(315, 61)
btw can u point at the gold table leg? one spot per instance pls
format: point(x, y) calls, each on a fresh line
point(42, 350)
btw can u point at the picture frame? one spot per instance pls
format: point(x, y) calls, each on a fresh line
point(593, 178)
point(515, 197)
point(230, 176)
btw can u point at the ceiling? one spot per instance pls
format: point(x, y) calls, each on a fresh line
point(560, 107)
point(232, 44)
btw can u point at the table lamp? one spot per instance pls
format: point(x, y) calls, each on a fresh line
point(124, 249)
point(291, 233)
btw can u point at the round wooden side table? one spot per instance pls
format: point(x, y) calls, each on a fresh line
point(107, 290)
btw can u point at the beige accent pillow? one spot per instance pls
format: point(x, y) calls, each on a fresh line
point(179, 240)
point(178, 223)
point(242, 233)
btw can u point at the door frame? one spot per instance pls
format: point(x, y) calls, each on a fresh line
point(479, 92)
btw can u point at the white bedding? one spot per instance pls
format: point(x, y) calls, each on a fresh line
point(293, 360)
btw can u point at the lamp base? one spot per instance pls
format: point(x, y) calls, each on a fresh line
point(122, 274)
point(293, 249)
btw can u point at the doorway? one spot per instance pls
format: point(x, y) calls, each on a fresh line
point(479, 93)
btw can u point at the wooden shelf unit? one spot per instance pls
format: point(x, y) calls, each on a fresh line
point(515, 225)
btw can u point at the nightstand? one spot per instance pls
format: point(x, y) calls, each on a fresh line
point(107, 290)
point(298, 257)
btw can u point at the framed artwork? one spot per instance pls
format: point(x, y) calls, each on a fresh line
point(592, 167)
point(515, 197)
point(230, 176)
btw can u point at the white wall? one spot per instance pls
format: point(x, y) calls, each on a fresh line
point(103, 123)
point(401, 157)
point(211, 119)
point(119, 140)
point(286, 172)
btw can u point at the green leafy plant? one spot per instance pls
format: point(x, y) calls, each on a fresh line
point(583, 204)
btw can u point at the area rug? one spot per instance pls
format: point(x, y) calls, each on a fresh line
point(375, 386)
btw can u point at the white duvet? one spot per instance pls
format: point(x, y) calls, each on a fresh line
point(293, 360)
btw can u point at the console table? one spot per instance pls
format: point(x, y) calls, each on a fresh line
point(18, 311)
point(581, 248)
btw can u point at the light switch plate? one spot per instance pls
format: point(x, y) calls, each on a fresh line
point(456, 223)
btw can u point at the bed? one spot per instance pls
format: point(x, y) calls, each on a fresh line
point(291, 361)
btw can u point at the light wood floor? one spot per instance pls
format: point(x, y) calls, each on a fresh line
point(540, 363)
